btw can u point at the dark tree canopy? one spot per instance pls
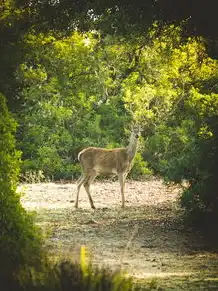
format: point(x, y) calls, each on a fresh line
point(124, 15)
point(117, 16)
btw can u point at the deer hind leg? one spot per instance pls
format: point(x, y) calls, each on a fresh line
point(80, 178)
point(87, 184)
point(81, 181)
point(121, 177)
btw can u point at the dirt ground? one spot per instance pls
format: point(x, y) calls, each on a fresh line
point(146, 239)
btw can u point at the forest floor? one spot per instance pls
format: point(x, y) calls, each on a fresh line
point(146, 239)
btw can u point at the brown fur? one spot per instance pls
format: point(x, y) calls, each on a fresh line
point(95, 161)
point(106, 159)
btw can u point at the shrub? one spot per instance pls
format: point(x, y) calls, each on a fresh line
point(67, 276)
point(19, 238)
point(140, 168)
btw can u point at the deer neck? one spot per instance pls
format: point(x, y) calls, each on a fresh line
point(132, 147)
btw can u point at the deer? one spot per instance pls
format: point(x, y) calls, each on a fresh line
point(96, 161)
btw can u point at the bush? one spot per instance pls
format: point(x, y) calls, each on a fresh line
point(67, 276)
point(140, 168)
point(19, 238)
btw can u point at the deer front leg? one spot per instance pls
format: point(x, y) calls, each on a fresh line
point(122, 182)
point(87, 185)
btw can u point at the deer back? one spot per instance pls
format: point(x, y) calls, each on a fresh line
point(104, 161)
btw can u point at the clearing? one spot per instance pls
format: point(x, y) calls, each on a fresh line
point(146, 239)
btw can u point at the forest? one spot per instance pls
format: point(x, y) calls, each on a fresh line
point(76, 74)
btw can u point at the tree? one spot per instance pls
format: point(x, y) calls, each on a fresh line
point(117, 18)
point(174, 94)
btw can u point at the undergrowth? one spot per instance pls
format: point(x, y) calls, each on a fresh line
point(64, 275)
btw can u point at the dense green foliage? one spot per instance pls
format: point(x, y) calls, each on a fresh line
point(174, 93)
point(19, 238)
point(123, 18)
